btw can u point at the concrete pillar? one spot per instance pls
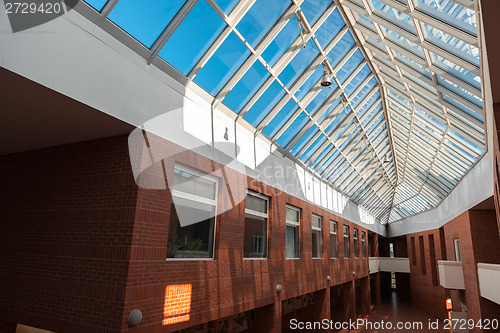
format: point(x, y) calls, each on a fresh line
point(322, 306)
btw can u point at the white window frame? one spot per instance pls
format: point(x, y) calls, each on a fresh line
point(346, 237)
point(334, 232)
point(355, 242)
point(456, 244)
point(295, 225)
point(192, 197)
point(363, 245)
point(258, 214)
point(320, 243)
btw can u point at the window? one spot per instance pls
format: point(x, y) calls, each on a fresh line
point(422, 254)
point(355, 238)
point(316, 236)
point(191, 231)
point(413, 252)
point(432, 251)
point(346, 241)
point(256, 224)
point(292, 233)
point(333, 239)
point(363, 244)
point(456, 242)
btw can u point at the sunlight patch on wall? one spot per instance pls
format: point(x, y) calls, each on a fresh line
point(177, 304)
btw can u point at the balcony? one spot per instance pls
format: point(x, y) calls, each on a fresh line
point(373, 265)
point(396, 265)
point(385, 264)
point(489, 275)
point(451, 275)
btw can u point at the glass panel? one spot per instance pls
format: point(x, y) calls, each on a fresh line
point(456, 70)
point(255, 237)
point(280, 119)
point(394, 16)
point(282, 42)
point(304, 139)
point(190, 240)
point(259, 19)
point(246, 87)
point(193, 37)
point(312, 149)
point(349, 66)
point(322, 155)
point(144, 20)
point(293, 129)
point(333, 245)
point(292, 215)
point(264, 104)
point(292, 242)
point(298, 63)
point(329, 29)
point(453, 44)
point(222, 65)
point(313, 9)
point(460, 91)
point(450, 12)
point(356, 80)
point(363, 94)
point(346, 242)
point(192, 184)
point(316, 221)
point(226, 5)
point(310, 82)
point(97, 4)
point(340, 49)
point(256, 204)
point(316, 244)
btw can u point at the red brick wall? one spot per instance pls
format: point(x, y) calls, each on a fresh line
point(67, 219)
point(229, 284)
point(82, 245)
point(424, 294)
point(479, 242)
point(496, 160)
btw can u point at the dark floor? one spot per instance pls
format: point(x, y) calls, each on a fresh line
point(394, 311)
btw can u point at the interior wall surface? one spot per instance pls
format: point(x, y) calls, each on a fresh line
point(83, 235)
point(478, 239)
point(73, 56)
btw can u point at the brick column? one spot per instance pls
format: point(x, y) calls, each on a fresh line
point(322, 306)
point(349, 300)
point(376, 288)
point(365, 305)
point(268, 318)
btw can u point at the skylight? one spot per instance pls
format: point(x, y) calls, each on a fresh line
point(401, 123)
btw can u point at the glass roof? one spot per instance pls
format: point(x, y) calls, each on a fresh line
point(402, 122)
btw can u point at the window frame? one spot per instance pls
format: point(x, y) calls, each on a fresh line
point(355, 241)
point(293, 224)
point(258, 214)
point(320, 238)
point(363, 245)
point(347, 236)
point(193, 197)
point(334, 232)
point(456, 246)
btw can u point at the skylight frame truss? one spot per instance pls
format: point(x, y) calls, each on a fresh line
point(379, 183)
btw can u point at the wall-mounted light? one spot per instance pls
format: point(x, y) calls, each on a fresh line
point(135, 317)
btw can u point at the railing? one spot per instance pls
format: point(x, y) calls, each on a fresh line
point(385, 264)
point(373, 265)
point(489, 275)
point(451, 275)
